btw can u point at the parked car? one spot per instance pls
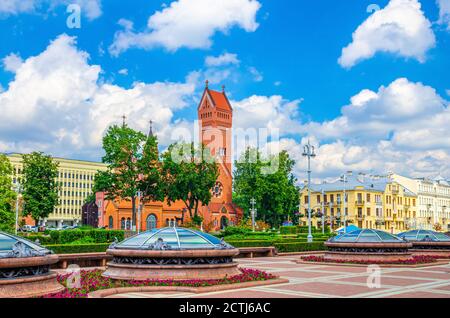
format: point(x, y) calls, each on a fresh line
point(29, 228)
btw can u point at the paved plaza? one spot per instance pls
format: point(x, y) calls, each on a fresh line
point(317, 281)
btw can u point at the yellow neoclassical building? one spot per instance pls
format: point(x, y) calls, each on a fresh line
point(371, 202)
point(76, 179)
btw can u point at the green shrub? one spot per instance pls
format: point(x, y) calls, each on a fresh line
point(235, 230)
point(97, 236)
point(83, 241)
point(288, 230)
point(299, 247)
point(250, 243)
point(75, 249)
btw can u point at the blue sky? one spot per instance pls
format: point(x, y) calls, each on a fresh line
point(284, 54)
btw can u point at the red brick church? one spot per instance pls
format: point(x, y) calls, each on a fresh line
point(215, 116)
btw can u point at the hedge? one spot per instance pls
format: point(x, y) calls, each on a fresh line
point(99, 236)
point(75, 249)
point(299, 247)
point(267, 243)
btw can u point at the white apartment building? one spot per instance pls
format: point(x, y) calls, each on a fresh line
point(433, 200)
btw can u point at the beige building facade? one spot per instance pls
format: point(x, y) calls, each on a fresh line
point(372, 202)
point(433, 198)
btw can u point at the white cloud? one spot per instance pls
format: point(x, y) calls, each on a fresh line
point(375, 115)
point(444, 12)
point(257, 75)
point(224, 59)
point(271, 112)
point(401, 28)
point(190, 24)
point(92, 9)
point(58, 103)
point(403, 127)
point(16, 6)
point(12, 62)
point(123, 71)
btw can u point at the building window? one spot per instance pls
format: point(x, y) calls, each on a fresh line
point(151, 222)
point(122, 224)
point(111, 222)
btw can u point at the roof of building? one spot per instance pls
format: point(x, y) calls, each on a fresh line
point(355, 182)
point(220, 100)
point(19, 155)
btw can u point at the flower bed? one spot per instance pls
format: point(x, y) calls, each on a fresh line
point(93, 280)
point(414, 260)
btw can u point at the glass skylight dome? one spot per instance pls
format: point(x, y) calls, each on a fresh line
point(424, 235)
point(14, 246)
point(366, 236)
point(172, 238)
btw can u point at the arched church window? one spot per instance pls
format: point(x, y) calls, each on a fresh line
point(151, 222)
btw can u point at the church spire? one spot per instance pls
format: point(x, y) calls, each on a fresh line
point(150, 133)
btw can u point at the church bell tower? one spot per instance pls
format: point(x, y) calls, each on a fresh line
point(215, 116)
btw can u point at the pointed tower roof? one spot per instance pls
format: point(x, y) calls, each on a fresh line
point(219, 99)
point(150, 133)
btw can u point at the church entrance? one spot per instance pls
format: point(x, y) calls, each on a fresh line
point(223, 222)
point(151, 222)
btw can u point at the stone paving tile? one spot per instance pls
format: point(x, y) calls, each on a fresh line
point(302, 274)
point(422, 274)
point(419, 294)
point(151, 295)
point(315, 280)
point(391, 281)
point(246, 293)
point(341, 269)
point(330, 289)
point(278, 266)
point(445, 287)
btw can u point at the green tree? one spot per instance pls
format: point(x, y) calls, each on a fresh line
point(151, 181)
point(7, 195)
point(270, 182)
point(190, 173)
point(40, 187)
point(123, 151)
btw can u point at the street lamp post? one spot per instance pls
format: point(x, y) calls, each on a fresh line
point(18, 190)
point(253, 212)
point(139, 195)
point(308, 151)
point(323, 212)
point(344, 180)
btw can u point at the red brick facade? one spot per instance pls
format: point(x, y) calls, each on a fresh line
point(215, 116)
